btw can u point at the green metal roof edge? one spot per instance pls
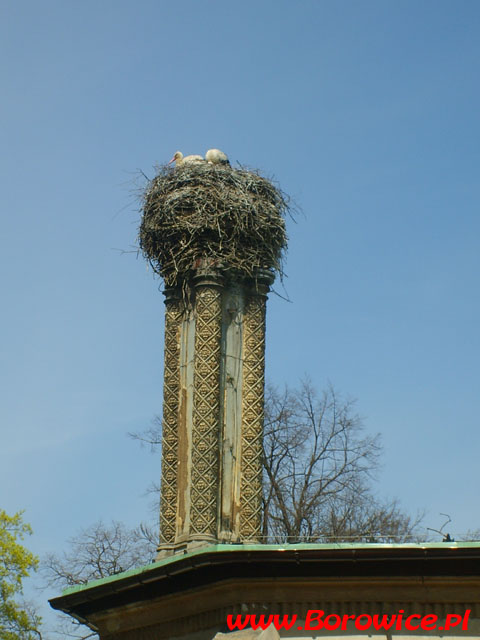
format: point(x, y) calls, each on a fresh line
point(222, 548)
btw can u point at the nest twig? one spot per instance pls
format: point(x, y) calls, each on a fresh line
point(232, 218)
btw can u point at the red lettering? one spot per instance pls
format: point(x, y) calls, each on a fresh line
point(240, 622)
point(408, 623)
point(315, 621)
point(428, 623)
point(398, 626)
point(285, 623)
point(365, 626)
point(261, 622)
point(384, 623)
point(319, 613)
point(455, 618)
point(345, 620)
point(334, 625)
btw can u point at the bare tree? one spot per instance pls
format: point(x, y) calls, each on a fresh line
point(319, 468)
point(94, 553)
point(98, 552)
point(318, 472)
point(472, 535)
point(363, 517)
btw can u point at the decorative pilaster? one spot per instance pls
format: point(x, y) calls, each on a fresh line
point(231, 376)
point(206, 407)
point(168, 497)
point(253, 408)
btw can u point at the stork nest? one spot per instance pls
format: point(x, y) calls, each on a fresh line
point(200, 213)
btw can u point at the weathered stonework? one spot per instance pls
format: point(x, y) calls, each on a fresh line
point(252, 413)
point(170, 418)
point(213, 411)
point(206, 408)
point(190, 596)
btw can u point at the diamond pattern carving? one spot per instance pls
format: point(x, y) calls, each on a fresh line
point(171, 381)
point(205, 436)
point(252, 417)
point(195, 487)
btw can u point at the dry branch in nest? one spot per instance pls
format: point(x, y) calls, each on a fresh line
point(200, 213)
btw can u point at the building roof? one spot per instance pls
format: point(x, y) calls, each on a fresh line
point(211, 564)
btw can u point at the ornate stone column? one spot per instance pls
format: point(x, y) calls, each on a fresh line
point(213, 410)
point(206, 407)
point(253, 407)
point(168, 496)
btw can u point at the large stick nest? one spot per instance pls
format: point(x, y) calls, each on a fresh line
point(199, 213)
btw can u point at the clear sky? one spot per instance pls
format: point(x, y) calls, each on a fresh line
point(367, 113)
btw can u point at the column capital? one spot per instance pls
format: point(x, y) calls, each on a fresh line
point(261, 281)
point(208, 277)
point(172, 294)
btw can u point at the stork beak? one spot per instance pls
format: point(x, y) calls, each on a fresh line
point(172, 160)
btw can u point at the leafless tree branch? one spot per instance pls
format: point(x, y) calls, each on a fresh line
point(318, 469)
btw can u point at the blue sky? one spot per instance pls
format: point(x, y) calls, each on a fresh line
point(367, 115)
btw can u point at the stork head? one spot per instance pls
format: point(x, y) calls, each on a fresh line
point(177, 157)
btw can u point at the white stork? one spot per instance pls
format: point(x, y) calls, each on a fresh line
point(180, 159)
point(215, 156)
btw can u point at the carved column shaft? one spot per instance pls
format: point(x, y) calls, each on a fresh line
point(168, 496)
point(253, 414)
point(206, 409)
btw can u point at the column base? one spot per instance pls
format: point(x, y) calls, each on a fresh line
point(172, 549)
